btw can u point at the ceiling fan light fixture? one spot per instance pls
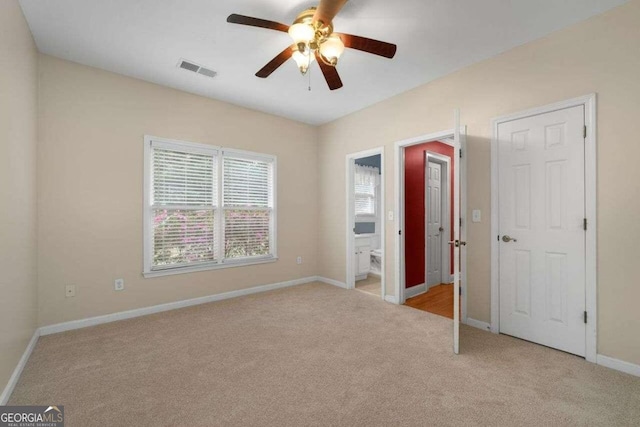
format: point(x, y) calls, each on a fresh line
point(331, 49)
point(312, 34)
point(302, 34)
point(302, 60)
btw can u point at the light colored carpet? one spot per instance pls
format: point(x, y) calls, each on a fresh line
point(315, 355)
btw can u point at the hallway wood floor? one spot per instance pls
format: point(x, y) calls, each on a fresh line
point(438, 300)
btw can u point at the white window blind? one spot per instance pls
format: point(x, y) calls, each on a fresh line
point(366, 181)
point(207, 206)
point(184, 201)
point(248, 206)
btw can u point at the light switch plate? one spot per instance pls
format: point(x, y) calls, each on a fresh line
point(390, 215)
point(476, 215)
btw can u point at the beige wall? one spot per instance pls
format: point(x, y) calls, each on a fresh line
point(90, 155)
point(599, 55)
point(18, 127)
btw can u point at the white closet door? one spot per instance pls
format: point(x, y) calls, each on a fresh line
point(542, 237)
point(434, 223)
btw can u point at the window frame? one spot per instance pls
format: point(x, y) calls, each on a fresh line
point(220, 263)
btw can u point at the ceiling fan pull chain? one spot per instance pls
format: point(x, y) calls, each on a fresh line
point(309, 72)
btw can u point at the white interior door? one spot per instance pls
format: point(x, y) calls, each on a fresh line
point(433, 205)
point(542, 237)
point(455, 186)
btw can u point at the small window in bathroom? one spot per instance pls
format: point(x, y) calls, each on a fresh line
point(366, 180)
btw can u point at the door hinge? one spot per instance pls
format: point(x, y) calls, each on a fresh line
point(585, 317)
point(399, 232)
point(460, 289)
point(584, 224)
point(498, 237)
point(460, 222)
point(585, 132)
point(460, 153)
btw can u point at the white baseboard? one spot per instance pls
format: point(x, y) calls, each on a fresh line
point(478, 324)
point(618, 365)
point(391, 298)
point(113, 317)
point(415, 290)
point(331, 282)
point(4, 397)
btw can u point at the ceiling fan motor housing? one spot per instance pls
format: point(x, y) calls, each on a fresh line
point(322, 30)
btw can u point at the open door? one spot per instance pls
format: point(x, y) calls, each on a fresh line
point(414, 155)
point(456, 232)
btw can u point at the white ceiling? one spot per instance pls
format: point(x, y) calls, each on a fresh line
point(147, 38)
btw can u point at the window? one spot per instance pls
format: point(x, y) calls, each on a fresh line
point(206, 207)
point(366, 180)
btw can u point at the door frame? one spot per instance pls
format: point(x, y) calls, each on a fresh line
point(445, 208)
point(590, 152)
point(400, 281)
point(351, 217)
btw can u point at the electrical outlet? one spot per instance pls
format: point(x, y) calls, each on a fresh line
point(390, 215)
point(476, 215)
point(299, 260)
point(70, 291)
point(118, 284)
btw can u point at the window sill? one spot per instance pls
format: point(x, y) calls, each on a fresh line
point(196, 268)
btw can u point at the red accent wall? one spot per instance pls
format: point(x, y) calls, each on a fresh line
point(414, 187)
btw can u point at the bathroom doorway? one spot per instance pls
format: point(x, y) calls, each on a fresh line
point(365, 222)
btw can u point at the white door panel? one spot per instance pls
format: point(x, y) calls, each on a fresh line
point(542, 207)
point(457, 143)
point(434, 223)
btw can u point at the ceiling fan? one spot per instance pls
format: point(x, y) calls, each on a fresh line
point(313, 38)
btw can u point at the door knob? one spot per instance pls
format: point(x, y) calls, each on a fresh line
point(508, 239)
point(457, 243)
point(441, 229)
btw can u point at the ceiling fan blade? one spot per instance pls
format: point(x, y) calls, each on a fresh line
point(257, 22)
point(364, 44)
point(275, 63)
point(327, 10)
point(330, 73)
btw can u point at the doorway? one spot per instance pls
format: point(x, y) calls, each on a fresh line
point(428, 225)
point(366, 222)
point(457, 137)
point(543, 254)
point(409, 283)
